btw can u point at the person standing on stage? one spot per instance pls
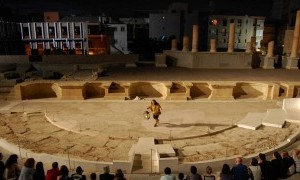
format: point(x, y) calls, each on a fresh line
point(155, 108)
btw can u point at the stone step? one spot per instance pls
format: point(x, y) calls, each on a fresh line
point(144, 156)
point(251, 121)
point(8, 83)
point(275, 118)
point(5, 89)
point(144, 163)
point(145, 169)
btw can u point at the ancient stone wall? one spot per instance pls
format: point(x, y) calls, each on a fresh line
point(214, 90)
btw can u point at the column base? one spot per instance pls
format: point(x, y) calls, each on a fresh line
point(268, 62)
point(290, 63)
point(130, 65)
point(194, 50)
point(160, 60)
point(161, 65)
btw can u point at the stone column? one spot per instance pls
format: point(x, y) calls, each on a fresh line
point(213, 45)
point(292, 61)
point(269, 59)
point(248, 47)
point(174, 45)
point(195, 38)
point(160, 60)
point(231, 38)
point(296, 36)
point(253, 43)
point(270, 49)
point(185, 46)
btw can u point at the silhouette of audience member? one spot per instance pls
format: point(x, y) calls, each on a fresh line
point(53, 173)
point(209, 175)
point(93, 176)
point(276, 165)
point(181, 176)
point(265, 167)
point(239, 171)
point(119, 175)
point(64, 173)
point(168, 175)
point(193, 174)
point(296, 157)
point(2, 167)
point(78, 175)
point(39, 173)
point(287, 165)
point(225, 173)
point(106, 175)
point(255, 169)
point(27, 170)
point(12, 168)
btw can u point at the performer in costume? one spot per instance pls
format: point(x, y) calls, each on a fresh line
point(155, 108)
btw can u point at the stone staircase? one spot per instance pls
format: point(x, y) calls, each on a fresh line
point(145, 164)
point(5, 88)
point(145, 159)
point(289, 112)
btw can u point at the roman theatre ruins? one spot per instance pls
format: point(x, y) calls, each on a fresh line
point(99, 123)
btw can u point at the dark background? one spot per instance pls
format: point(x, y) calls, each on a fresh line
point(132, 7)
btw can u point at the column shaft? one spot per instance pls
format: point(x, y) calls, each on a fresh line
point(270, 49)
point(213, 45)
point(231, 38)
point(248, 47)
point(296, 36)
point(185, 46)
point(174, 45)
point(195, 42)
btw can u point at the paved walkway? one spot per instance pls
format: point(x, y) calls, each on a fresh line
point(185, 74)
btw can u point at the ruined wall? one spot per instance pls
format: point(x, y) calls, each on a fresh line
point(166, 90)
point(207, 60)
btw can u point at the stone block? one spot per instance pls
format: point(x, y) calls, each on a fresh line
point(221, 90)
point(290, 63)
point(252, 121)
point(171, 162)
point(160, 60)
point(165, 150)
point(267, 62)
point(274, 118)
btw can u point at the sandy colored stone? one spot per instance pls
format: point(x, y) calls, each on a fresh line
point(4, 130)
point(117, 126)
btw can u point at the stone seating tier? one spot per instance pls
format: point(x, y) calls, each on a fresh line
point(184, 90)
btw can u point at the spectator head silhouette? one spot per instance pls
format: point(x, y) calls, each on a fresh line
point(54, 165)
point(254, 162)
point(225, 169)
point(168, 170)
point(106, 170)
point(29, 163)
point(193, 170)
point(79, 170)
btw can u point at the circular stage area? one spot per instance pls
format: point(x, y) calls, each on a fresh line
point(106, 130)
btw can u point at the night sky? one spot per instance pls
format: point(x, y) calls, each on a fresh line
point(128, 7)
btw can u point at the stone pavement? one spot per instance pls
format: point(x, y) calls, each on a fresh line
point(185, 74)
point(181, 74)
